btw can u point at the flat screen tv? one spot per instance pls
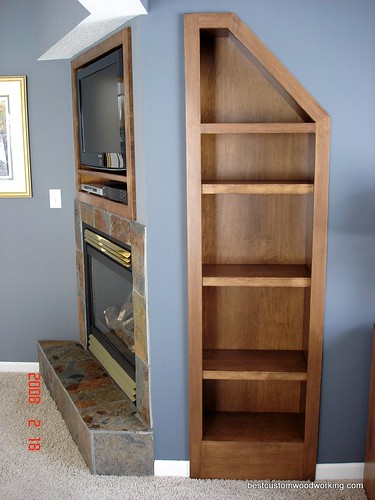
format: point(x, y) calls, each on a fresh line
point(100, 92)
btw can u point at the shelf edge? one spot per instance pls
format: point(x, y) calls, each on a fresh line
point(253, 375)
point(258, 128)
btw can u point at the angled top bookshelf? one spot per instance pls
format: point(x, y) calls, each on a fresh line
point(87, 175)
point(257, 183)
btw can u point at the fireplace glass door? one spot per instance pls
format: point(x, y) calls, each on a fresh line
point(109, 304)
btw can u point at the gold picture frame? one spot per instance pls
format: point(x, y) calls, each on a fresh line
point(15, 174)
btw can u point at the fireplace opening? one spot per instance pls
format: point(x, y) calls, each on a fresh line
point(109, 306)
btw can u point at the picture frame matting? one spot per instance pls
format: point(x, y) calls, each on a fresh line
point(15, 173)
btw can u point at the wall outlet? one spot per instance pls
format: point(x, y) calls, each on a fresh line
point(55, 198)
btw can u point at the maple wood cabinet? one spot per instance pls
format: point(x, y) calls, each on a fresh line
point(257, 181)
point(87, 175)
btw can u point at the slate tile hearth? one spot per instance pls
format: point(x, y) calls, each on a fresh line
point(105, 425)
point(113, 436)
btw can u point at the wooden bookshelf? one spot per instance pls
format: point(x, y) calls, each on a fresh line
point(257, 183)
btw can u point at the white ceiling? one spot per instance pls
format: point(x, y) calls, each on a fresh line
point(105, 17)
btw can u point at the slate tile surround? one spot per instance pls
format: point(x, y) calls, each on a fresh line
point(132, 234)
point(114, 436)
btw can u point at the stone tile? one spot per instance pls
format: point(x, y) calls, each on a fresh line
point(80, 272)
point(87, 214)
point(82, 320)
point(143, 390)
point(67, 410)
point(103, 422)
point(138, 257)
point(77, 429)
point(96, 397)
point(101, 220)
point(137, 233)
point(77, 223)
point(89, 393)
point(117, 416)
point(127, 454)
point(120, 229)
point(47, 372)
point(131, 233)
point(102, 407)
point(62, 353)
point(84, 442)
point(140, 326)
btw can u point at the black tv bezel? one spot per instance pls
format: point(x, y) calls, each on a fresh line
point(93, 159)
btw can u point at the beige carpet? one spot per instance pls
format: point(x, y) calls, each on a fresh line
point(58, 471)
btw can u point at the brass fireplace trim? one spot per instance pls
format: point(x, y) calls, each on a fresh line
point(119, 375)
point(117, 253)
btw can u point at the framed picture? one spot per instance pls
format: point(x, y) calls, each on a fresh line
point(15, 178)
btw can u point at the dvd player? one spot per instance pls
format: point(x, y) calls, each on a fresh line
point(114, 191)
point(93, 188)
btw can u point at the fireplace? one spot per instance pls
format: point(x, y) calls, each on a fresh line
point(131, 237)
point(109, 306)
point(113, 431)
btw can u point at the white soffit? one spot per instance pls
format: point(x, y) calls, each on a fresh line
point(105, 16)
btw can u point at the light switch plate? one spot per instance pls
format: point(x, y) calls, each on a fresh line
point(55, 198)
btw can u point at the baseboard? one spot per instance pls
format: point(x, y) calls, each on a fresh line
point(340, 471)
point(348, 471)
point(175, 468)
point(14, 366)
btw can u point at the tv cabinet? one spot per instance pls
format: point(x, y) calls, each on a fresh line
point(84, 174)
point(257, 183)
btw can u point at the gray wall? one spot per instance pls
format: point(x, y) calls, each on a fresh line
point(328, 45)
point(37, 248)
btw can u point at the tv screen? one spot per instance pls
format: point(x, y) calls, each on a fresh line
point(100, 89)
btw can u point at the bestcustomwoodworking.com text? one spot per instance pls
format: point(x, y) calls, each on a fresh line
point(303, 485)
